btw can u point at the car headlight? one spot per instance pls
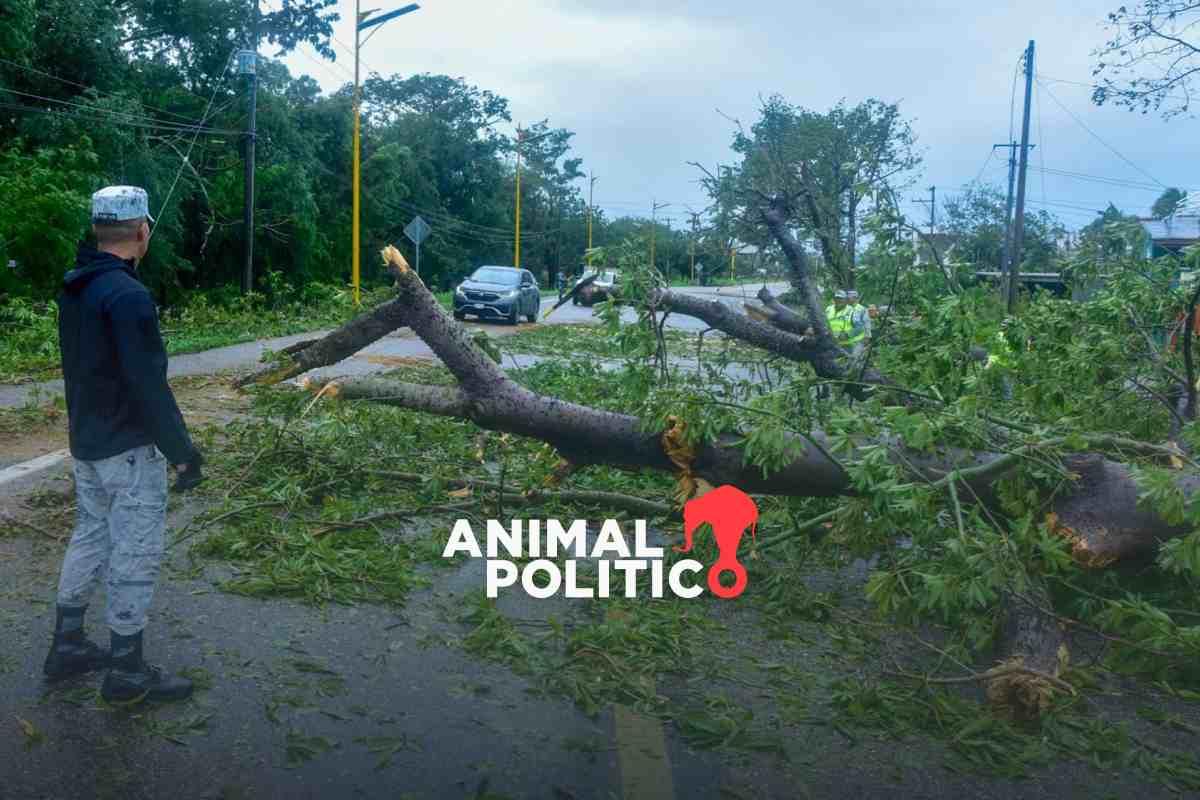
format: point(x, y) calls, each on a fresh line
point(458, 290)
point(513, 293)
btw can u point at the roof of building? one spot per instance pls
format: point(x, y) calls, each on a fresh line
point(1175, 228)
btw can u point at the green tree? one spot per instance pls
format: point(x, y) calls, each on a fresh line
point(1151, 59)
point(976, 221)
point(831, 166)
point(1168, 203)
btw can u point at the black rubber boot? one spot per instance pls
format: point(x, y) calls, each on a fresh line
point(72, 653)
point(131, 680)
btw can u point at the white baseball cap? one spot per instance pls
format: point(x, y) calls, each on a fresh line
point(120, 203)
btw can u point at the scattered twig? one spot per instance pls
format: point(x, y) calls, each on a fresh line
point(32, 527)
point(991, 674)
point(636, 505)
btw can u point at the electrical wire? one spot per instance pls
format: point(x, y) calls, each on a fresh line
point(1099, 179)
point(1096, 136)
point(988, 160)
point(483, 233)
point(110, 121)
point(85, 87)
point(184, 161)
point(1012, 101)
point(123, 116)
point(1041, 141)
point(1050, 79)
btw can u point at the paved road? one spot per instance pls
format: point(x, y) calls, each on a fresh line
point(400, 344)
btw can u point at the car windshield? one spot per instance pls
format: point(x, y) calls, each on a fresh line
point(500, 275)
point(606, 277)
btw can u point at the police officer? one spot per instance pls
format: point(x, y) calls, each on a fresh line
point(124, 428)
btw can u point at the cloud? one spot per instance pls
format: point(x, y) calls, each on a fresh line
point(641, 83)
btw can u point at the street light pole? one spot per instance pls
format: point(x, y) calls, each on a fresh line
point(591, 206)
point(361, 24)
point(654, 207)
point(354, 232)
point(517, 235)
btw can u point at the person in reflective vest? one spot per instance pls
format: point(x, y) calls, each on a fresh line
point(837, 314)
point(860, 323)
point(1002, 354)
point(849, 321)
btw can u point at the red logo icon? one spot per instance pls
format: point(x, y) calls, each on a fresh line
point(729, 511)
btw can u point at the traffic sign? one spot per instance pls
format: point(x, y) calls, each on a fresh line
point(418, 231)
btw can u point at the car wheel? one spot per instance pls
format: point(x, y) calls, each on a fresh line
point(512, 316)
point(460, 316)
point(536, 308)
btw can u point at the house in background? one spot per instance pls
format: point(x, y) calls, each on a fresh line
point(1171, 235)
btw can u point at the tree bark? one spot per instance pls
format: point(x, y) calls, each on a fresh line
point(342, 343)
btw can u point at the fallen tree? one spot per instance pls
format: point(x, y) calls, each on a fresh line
point(1099, 516)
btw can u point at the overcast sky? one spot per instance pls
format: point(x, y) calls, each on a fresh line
point(641, 84)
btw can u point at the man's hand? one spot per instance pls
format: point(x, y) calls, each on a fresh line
point(188, 474)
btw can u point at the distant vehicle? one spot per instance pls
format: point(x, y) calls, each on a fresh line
point(504, 293)
point(602, 288)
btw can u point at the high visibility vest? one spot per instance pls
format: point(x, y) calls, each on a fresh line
point(841, 324)
point(858, 311)
point(1001, 352)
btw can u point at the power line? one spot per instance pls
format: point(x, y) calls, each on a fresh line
point(1096, 136)
point(85, 87)
point(988, 160)
point(1100, 179)
point(1012, 102)
point(97, 110)
point(1051, 79)
point(184, 161)
point(110, 121)
point(1041, 141)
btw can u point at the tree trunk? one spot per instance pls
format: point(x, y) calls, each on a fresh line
point(342, 343)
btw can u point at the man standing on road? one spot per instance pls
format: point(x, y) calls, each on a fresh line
point(124, 428)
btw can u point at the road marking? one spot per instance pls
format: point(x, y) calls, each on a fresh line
point(24, 469)
point(642, 756)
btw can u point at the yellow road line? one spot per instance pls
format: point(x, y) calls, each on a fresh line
point(642, 756)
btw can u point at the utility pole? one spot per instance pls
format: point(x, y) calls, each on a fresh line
point(249, 66)
point(932, 203)
point(1005, 246)
point(1019, 221)
point(695, 231)
point(654, 207)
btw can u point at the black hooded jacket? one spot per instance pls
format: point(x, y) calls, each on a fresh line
point(114, 364)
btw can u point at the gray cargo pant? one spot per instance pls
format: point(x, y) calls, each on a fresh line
point(119, 530)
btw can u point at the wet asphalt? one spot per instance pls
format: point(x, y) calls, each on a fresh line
point(375, 702)
point(399, 344)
